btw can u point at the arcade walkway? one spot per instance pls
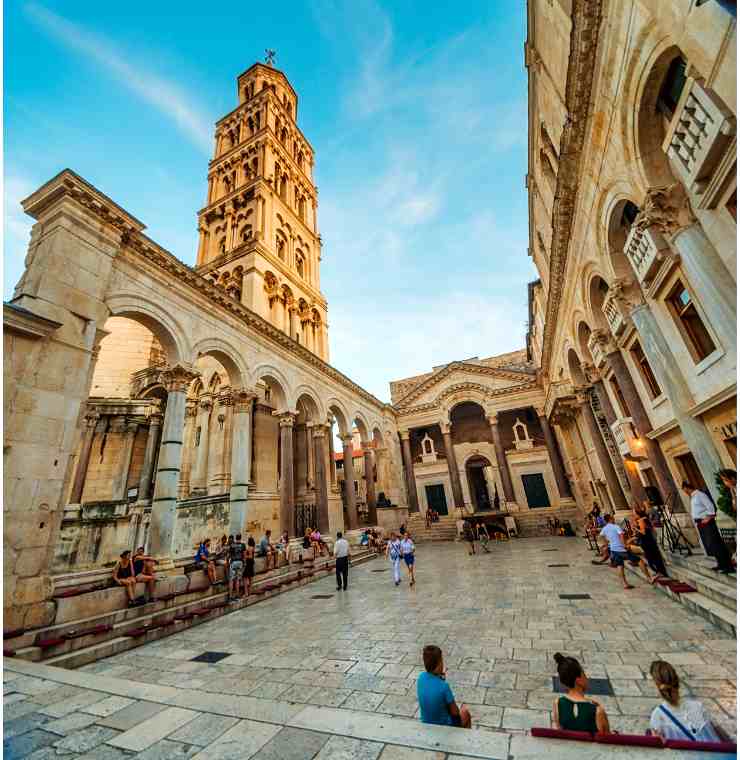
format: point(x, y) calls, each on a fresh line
point(300, 677)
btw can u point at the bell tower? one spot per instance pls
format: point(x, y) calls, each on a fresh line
point(258, 236)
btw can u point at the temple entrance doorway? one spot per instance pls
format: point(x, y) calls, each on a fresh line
point(480, 495)
point(535, 490)
point(436, 499)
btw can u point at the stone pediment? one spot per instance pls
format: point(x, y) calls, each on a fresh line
point(461, 377)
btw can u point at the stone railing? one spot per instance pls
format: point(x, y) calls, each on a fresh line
point(645, 248)
point(596, 348)
point(700, 132)
point(615, 311)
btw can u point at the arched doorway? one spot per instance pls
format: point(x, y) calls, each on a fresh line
point(480, 482)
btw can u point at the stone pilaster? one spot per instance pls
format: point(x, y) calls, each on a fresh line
point(199, 477)
point(164, 504)
point(83, 462)
point(408, 465)
point(128, 429)
point(503, 463)
point(150, 455)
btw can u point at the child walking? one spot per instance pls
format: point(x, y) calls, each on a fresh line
point(407, 551)
point(393, 552)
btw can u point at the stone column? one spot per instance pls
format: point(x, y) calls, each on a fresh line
point(672, 382)
point(293, 320)
point(241, 459)
point(287, 494)
point(188, 450)
point(630, 469)
point(332, 459)
point(164, 504)
point(457, 493)
point(150, 455)
point(602, 453)
point(408, 465)
point(319, 433)
point(199, 478)
point(372, 507)
point(78, 486)
point(503, 464)
point(216, 482)
point(556, 458)
point(120, 480)
point(349, 480)
point(640, 418)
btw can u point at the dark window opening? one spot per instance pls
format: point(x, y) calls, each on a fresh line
point(621, 402)
point(670, 91)
point(629, 214)
point(690, 324)
point(646, 371)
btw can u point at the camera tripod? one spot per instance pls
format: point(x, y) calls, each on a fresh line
point(672, 536)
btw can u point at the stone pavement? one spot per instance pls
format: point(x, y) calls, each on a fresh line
point(303, 677)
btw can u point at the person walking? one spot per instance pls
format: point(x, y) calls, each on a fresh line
point(407, 552)
point(341, 556)
point(644, 537)
point(237, 552)
point(469, 535)
point(482, 536)
point(704, 513)
point(393, 552)
point(619, 553)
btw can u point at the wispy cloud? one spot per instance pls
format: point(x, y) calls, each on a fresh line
point(164, 95)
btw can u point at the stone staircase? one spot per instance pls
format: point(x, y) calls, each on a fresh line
point(715, 598)
point(443, 530)
point(112, 627)
point(533, 523)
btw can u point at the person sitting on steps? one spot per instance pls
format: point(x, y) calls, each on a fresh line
point(204, 561)
point(575, 711)
point(144, 571)
point(123, 575)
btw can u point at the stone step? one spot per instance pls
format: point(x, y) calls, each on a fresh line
point(721, 616)
point(712, 587)
point(700, 565)
point(81, 650)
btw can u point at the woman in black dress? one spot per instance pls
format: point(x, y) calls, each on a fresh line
point(648, 543)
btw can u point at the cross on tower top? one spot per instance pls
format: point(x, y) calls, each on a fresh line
point(270, 56)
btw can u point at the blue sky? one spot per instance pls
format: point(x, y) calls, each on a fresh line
point(417, 113)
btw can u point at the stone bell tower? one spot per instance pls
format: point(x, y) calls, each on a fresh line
point(258, 234)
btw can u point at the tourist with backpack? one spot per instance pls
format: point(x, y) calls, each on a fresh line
point(393, 552)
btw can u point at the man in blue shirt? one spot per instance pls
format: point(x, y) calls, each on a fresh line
point(435, 696)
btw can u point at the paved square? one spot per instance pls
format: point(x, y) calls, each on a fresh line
point(329, 679)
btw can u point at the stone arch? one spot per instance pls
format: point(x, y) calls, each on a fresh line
point(575, 367)
point(596, 289)
point(337, 409)
point(226, 355)
point(453, 397)
point(376, 435)
point(276, 382)
point(303, 393)
point(358, 420)
point(157, 320)
point(648, 123)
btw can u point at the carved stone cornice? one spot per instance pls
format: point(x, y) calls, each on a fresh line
point(285, 419)
point(243, 400)
point(586, 20)
point(667, 208)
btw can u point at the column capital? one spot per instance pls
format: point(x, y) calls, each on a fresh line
point(492, 419)
point(591, 372)
point(132, 427)
point(91, 420)
point(191, 407)
point(367, 446)
point(539, 410)
point(156, 418)
point(445, 426)
point(581, 392)
point(243, 399)
point(226, 397)
point(668, 208)
point(319, 430)
point(177, 377)
point(118, 424)
point(286, 419)
point(405, 434)
point(346, 439)
point(206, 402)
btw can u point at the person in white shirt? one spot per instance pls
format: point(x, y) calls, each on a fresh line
point(703, 514)
point(407, 552)
point(341, 556)
point(393, 552)
point(619, 553)
point(677, 718)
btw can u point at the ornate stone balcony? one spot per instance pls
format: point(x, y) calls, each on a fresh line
point(595, 346)
point(626, 437)
point(646, 248)
point(700, 132)
point(615, 311)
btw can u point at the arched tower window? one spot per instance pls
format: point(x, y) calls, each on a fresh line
point(299, 264)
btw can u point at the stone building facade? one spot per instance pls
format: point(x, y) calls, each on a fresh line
point(632, 216)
